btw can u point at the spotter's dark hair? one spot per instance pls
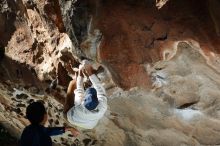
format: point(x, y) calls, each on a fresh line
point(35, 112)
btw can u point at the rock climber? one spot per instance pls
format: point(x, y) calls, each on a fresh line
point(84, 108)
point(36, 134)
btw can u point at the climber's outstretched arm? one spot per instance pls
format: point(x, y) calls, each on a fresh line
point(79, 92)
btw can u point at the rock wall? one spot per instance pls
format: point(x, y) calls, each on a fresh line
point(140, 32)
point(160, 67)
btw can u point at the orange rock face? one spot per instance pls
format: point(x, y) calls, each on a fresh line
point(137, 33)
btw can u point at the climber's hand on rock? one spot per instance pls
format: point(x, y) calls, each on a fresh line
point(74, 131)
point(81, 67)
point(89, 70)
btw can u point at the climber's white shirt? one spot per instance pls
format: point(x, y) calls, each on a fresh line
point(79, 115)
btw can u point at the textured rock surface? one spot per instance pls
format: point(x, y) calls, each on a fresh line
point(176, 111)
point(167, 60)
point(140, 32)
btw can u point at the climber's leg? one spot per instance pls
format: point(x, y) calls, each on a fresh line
point(70, 97)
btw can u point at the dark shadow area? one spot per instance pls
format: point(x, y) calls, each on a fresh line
point(53, 8)
point(6, 139)
point(2, 52)
point(8, 12)
point(18, 73)
point(187, 105)
point(80, 20)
